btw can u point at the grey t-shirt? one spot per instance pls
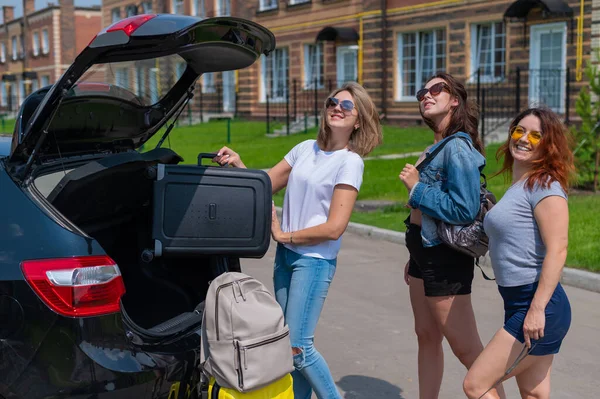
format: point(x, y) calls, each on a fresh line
point(516, 247)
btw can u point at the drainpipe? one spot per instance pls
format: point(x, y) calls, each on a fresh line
point(383, 58)
point(23, 39)
point(360, 51)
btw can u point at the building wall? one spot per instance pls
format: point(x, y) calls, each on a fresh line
point(298, 25)
point(69, 31)
point(595, 30)
point(43, 63)
point(87, 25)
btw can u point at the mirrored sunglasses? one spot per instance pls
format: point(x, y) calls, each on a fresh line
point(533, 136)
point(435, 90)
point(345, 105)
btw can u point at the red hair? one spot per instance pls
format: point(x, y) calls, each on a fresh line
point(556, 160)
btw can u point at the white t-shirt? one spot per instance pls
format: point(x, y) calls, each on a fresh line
point(310, 186)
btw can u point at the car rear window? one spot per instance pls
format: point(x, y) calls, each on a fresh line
point(142, 82)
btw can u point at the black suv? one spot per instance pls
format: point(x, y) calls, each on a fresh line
point(107, 248)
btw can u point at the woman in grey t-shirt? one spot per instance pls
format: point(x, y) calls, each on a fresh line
point(528, 233)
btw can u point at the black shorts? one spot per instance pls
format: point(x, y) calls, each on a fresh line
point(444, 271)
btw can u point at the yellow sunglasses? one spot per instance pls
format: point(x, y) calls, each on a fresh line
point(533, 136)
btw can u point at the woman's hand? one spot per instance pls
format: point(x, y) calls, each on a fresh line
point(275, 225)
point(226, 156)
point(533, 327)
point(409, 176)
point(406, 275)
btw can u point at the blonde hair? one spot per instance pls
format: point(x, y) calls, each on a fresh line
point(368, 135)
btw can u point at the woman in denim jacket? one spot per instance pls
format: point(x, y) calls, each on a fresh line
point(448, 189)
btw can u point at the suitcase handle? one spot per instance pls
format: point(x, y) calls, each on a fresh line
point(206, 155)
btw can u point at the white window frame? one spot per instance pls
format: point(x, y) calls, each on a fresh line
point(21, 84)
point(14, 48)
point(475, 52)
point(266, 5)
point(115, 15)
point(309, 67)
point(178, 7)
point(340, 51)
point(2, 52)
point(294, 2)
point(279, 78)
point(45, 42)
point(131, 10)
point(140, 81)
point(223, 8)
point(121, 73)
point(199, 8)
point(36, 43)
point(147, 7)
point(3, 94)
point(534, 63)
point(419, 75)
point(44, 80)
point(153, 85)
point(208, 83)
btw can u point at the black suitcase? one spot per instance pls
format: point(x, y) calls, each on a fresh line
point(211, 210)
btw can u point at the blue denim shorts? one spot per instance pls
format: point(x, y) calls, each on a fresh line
point(517, 301)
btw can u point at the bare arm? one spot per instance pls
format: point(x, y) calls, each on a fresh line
point(279, 175)
point(342, 203)
point(552, 216)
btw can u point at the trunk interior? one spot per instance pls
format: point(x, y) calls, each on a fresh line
point(112, 201)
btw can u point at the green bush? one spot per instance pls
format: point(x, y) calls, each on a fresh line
point(587, 136)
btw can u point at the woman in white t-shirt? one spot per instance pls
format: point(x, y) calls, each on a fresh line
point(322, 177)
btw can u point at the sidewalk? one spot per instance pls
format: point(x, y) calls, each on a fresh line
point(572, 277)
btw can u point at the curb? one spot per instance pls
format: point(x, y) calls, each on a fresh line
point(572, 277)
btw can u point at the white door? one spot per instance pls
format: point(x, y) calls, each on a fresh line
point(547, 60)
point(347, 64)
point(228, 91)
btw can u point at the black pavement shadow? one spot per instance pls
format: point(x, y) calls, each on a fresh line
point(363, 387)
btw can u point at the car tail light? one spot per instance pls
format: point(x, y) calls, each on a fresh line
point(77, 287)
point(130, 25)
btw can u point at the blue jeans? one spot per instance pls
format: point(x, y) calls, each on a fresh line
point(301, 285)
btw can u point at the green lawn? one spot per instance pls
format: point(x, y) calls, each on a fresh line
point(7, 126)
point(259, 151)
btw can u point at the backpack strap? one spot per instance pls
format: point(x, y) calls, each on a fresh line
point(433, 154)
point(216, 389)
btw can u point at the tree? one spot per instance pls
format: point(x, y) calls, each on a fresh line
point(587, 151)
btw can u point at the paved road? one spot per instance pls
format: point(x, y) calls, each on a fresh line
point(366, 329)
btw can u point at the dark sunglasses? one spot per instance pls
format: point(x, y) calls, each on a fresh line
point(435, 90)
point(533, 136)
point(345, 105)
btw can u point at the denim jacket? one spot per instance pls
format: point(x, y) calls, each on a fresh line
point(448, 187)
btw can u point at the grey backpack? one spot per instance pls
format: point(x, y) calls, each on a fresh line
point(245, 342)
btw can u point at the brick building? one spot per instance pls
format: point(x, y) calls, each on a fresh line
point(517, 51)
point(510, 53)
point(37, 48)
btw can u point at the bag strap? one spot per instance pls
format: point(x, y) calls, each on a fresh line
point(485, 276)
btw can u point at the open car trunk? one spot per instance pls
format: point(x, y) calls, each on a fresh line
point(170, 228)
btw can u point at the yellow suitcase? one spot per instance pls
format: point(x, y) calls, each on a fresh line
point(281, 389)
